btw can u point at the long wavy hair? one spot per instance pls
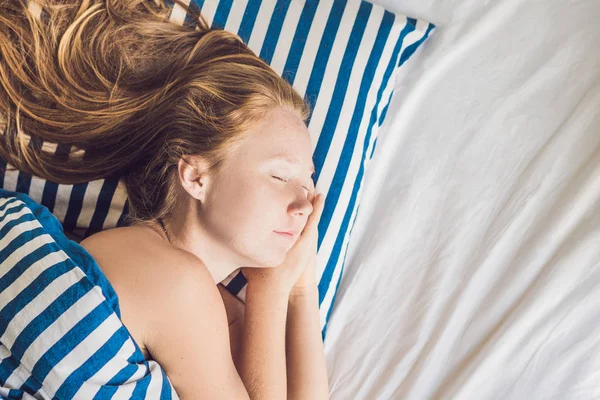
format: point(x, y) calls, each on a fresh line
point(92, 89)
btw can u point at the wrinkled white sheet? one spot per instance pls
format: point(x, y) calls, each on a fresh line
point(473, 270)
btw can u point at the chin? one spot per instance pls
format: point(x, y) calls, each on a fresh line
point(268, 261)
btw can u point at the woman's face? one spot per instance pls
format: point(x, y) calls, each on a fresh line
point(265, 187)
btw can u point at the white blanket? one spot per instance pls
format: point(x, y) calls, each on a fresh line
point(473, 271)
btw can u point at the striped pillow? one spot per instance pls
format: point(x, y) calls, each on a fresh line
point(61, 334)
point(343, 56)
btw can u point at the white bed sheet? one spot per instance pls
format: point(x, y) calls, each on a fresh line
point(473, 270)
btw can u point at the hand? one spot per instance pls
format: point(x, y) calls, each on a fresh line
point(308, 278)
point(291, 273)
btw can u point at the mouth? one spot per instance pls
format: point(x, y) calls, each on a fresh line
point(285, 235)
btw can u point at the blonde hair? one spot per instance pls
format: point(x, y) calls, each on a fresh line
point(93, 89)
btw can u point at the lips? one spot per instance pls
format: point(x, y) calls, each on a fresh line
point(288, 234)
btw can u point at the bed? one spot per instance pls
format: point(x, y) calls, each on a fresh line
point(473, 270)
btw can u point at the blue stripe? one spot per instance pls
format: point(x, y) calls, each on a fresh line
point(339, 242)
point(14, 273)
point(23, 183)
point(20, 239)
point(325, 47)
point(221, 14)
point(2, 171)
point(7, 366)
point(195, 6)
point(76, 335)
point(122, 219)
point(165, 393)
point(299, 41)
point(337, 286)
point(108, 390)
point(274, 30)
point(358, 114)
point(5, 205)
point(329, 269)
point(93, 364)
point(24, 179)
point(141, 386)
point(237, 283)
point(62, 152)
point(109, 187)
point(75, 205)
point(341, 87)
point(249, 19)
point(373, 149)
point(49, 195)
point(39, 324)
point(411, 49)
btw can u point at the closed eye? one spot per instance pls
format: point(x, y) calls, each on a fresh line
point(283, 180)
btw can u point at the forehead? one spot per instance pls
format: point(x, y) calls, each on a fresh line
point(281, 136)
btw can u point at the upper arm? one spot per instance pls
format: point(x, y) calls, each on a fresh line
point(188, 334)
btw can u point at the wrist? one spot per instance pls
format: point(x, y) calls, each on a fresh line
point(308, 290)
point(270, 289)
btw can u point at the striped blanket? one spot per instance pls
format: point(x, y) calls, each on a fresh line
point(61, 336)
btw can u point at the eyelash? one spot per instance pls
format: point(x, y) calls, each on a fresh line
point(283, 180)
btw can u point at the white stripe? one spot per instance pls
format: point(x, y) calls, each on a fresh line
point(117, 204)
point(155, 386)
point(259, 31)
point(341, 130)
point(91, 386)
point(34, 8)
point(36, 306)
point(332, 70)
point(178, 13)
point(15, 204)
point(49, 147)
point(242, 294)
point(235, 16)
point(81, 353)
point(10, 179)
point(63, 195)
point(90, 200)
point(53, 334)
point(124, 392)
point(36, 189)
point(208, 11)
point(23, 251)
point(341, 133)
point(4, 353)
point(5, 200)
point(337, 272)
point(310, 52)
point(346, 193)
point(288, 29)
point(61, 325)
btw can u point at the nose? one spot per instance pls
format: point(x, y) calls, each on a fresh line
point(301, 204)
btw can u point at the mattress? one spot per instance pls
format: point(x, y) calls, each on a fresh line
point(473, 270)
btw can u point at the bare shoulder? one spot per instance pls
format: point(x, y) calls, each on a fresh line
point(148, 275)
point(170, 303)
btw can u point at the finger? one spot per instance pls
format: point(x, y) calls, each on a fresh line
point(315, 215)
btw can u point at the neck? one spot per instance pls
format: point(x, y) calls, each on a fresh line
point(186, 232)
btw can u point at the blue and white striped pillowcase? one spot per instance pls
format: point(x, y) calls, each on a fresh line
point(343, 56)
point(60, 336)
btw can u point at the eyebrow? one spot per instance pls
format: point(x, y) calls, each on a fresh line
point(292, 160)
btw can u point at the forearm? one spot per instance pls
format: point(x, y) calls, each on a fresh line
point(305, 356)
point(262, 359)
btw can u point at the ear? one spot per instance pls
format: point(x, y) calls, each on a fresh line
point(193, 176)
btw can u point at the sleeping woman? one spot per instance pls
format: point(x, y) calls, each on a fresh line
point(217, 160)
